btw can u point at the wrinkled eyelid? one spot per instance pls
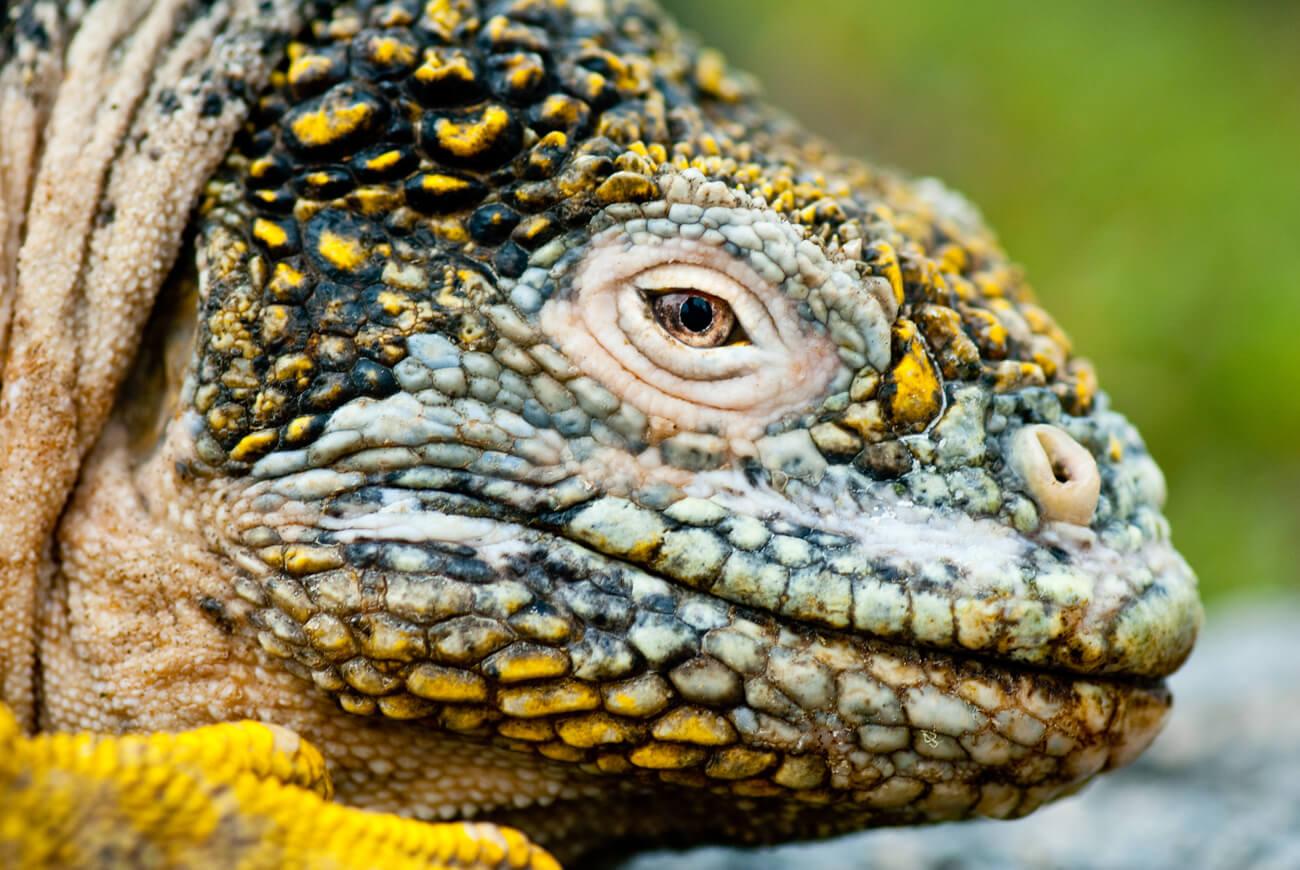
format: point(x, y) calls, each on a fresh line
point(605, 327)
point(688, 276)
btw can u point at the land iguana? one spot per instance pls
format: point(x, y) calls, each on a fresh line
point(538, 433)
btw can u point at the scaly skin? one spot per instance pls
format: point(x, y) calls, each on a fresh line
point(422, 458)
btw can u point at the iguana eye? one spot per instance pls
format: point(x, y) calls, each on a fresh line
point(689, 333)
point(694, 318)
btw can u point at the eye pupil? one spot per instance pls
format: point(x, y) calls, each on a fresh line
point(695, 318)
point(696, 314)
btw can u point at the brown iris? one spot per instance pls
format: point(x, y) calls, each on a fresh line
point(695, 318)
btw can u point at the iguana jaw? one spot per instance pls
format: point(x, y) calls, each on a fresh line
point(572, 636)
point(132, 545)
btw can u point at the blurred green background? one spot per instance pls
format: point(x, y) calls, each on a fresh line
point(1142, 160)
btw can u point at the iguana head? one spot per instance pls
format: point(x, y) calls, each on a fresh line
point(545, 387)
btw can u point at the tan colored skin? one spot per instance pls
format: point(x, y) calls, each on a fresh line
point(80, 289)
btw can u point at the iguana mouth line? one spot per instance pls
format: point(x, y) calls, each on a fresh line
point(1004, 663)
point(552, 526)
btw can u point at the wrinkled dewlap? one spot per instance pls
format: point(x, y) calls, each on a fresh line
point(115, 113)
point(842, 609)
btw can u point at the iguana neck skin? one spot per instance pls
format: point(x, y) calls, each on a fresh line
point(423, 460)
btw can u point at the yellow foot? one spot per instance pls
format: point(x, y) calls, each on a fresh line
point(236, 795)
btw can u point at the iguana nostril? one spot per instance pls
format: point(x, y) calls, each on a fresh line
point(1060, 474)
